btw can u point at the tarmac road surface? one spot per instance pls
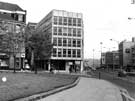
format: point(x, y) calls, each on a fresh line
point(88, 89)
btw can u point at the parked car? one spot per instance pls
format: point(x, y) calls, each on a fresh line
point(122, 73)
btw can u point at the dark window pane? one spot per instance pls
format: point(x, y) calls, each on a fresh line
point(64, 42)
point(64, 52)
point(55, 19)
point(79, 22)
point(74, 43)
point(74, 21)
point(73, 53)
point(65, 20)
point(78, 53)
point(59, 52)
point(60, 20)
point(55, 41)
point(70, 21)
point(78, 43)
point(55, 31)
point(79, 32)
point(69, 52)
point(59, 41)
point(54, 52)
point(59, 31)
point(69, 42)
point(74, 31)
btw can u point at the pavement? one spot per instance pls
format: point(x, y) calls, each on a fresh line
point(88, 89)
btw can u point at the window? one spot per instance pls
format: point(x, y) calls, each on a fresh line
point(69, 31)
point(54, 52)
point(60, 20)
point(64, 52)
point(59, 41)
point(127, 50)
point(59, 31)
point(70, 21)
point(20, 17)
point(65, 31)
point(74, 21)
point(64, 42)
point(55, 19)
point(59, 52)
point(55, 31)
point(69, 42)
point(74, 31)
point(79, 22)
point(74, 53)
point(69, 52)
point(55, 41)
point(78, 53)
point(79, 32)
point(78, 43)
point(74, 43)
point(65, 21)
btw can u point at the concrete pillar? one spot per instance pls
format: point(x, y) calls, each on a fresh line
point(81, 69)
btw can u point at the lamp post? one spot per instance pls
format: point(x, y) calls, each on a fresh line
point(113, 53)
point(101, 53)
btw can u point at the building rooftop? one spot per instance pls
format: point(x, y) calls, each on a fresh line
point(10, 7)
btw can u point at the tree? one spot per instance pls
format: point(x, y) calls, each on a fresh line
point(38, 47)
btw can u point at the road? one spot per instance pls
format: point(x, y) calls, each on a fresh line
point(88, 89)
point(129, 86)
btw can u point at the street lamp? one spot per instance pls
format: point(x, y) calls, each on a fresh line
point(101, 53)
point(113, 53)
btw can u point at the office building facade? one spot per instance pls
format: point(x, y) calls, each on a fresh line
point(66, 33)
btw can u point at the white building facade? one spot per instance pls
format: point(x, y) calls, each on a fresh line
point(67, 35)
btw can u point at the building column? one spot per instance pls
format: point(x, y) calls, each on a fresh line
point(81, 69)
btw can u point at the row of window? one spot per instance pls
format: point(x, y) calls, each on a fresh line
point(67, 31)
point(59, 20)
point(66, 42)
point(75, 53)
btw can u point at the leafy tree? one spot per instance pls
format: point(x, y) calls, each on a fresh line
point(38, 47)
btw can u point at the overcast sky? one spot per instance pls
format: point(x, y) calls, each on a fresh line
point(103, 20)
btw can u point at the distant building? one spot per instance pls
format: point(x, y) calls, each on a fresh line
point(125, 53)
point(110, 59)
point(67, 35)
point(13, 20)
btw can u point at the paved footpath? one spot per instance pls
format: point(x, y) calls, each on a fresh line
point(88, 89)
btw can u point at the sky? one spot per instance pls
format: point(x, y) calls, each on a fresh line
point(103, 20)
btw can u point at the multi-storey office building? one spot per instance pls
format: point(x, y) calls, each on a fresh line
point(12, 20)
point(66, 33)
point(125, 53)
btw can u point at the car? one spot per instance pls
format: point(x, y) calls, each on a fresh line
point(122, 73)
